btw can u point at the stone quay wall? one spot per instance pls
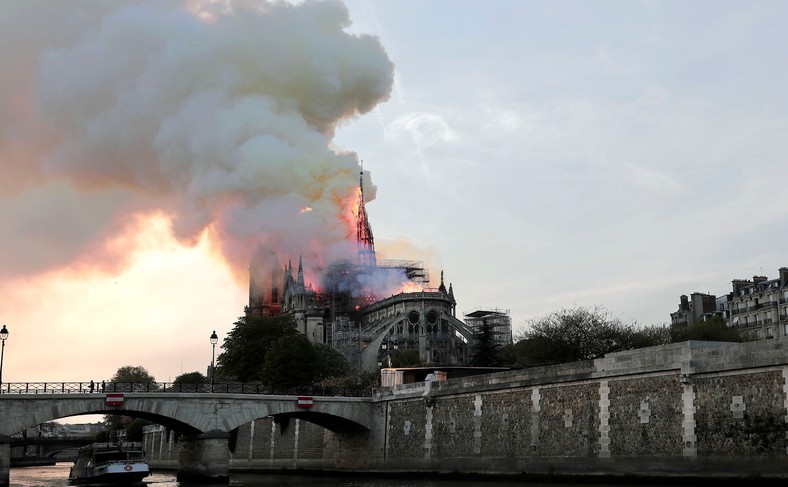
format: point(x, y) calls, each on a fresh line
point(693, 409)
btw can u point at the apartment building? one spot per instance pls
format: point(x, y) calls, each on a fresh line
point(697, 307)
point(758, 306)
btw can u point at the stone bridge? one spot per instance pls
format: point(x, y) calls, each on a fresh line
point(205, 420)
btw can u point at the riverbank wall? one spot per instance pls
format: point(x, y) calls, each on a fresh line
point(693, 409)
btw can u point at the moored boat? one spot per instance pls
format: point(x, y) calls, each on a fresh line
point(110, 464)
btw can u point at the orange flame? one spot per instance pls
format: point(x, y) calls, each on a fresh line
point(349, 212)
point(411, 287)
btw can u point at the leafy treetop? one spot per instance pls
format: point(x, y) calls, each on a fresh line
point(247, 344)
point(587, 333)
point(131, 373)
point(190, 378)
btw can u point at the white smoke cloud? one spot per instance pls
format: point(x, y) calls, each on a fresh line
point(218, 114)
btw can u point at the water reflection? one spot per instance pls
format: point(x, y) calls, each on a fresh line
point(57, 476)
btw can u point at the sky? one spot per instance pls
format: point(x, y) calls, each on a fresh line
point(542, 154)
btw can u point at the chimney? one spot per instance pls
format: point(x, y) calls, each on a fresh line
point(738, 284)
point(684, 306)
point(783, 276)
point(758, 279)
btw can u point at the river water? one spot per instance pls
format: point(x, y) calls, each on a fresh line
point(57, 476)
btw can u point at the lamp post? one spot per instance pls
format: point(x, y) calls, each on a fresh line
point(3, 336)
point(214, 340)
point(390, 346)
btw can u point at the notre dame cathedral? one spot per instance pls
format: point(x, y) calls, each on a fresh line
point(347, 311)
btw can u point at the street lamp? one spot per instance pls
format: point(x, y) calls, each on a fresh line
point(214, 341)
point(3, 336)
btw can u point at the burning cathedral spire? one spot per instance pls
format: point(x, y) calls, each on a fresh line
point(364, 239)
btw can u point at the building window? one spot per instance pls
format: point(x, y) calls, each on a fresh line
point(769, 333)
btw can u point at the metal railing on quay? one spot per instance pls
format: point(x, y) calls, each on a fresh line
point(174, 387)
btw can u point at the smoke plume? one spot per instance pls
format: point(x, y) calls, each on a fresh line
point(218, 115)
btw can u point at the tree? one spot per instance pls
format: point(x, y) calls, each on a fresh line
point(246, 346)
point(650, 336)
point(579, 333)
point(134, 429)
point(290, 361)
point(330, 362)
point(713, 329)
point(486, 351)
point(528, 352)
point(136, 377)
point(538, 350)
point(190, 381)
point(405, 358)
point(128, 378)
point(354, 379)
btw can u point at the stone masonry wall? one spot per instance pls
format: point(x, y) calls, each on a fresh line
point(646, 416)
point(569, 421)
point(406, 429)
point(741, 414)
point(505, 423)
point(449, 432)
point(692, 409)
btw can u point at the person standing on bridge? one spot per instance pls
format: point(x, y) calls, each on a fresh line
point(92, 385)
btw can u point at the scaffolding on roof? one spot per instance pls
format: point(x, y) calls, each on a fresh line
point(344, 336)
point(414, 270)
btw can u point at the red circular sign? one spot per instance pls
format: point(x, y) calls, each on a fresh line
point(128, 467)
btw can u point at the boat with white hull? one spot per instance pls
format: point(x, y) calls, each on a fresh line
point(110, 464)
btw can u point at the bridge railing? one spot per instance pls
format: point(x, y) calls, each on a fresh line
point(170, 387)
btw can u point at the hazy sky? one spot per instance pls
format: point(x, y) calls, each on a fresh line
point(543, 154)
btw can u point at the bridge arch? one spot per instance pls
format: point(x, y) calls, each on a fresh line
point(337, 414)
point(327, 421)
point(188, 413)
